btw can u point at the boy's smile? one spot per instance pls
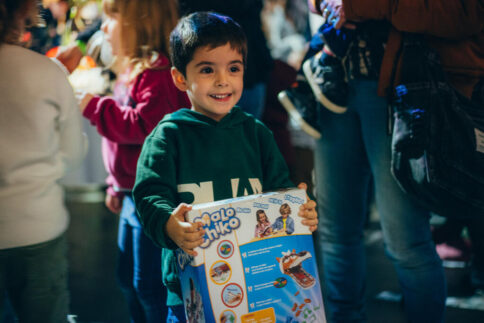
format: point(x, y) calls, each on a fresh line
point(214, 80)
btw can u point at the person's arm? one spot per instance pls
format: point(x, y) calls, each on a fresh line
point(73, 142)
point(453, 19)
point(130, 125)
point(154, 192)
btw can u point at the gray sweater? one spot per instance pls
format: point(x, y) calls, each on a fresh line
point(40, 139)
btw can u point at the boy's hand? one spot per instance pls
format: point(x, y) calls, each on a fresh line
point(114, 203)
point(308, 211)
point(186, 235)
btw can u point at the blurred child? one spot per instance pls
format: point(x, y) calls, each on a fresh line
point(263, 227)
point(210, 152)
point(41, 139)
point(138, 32)
point(284, 223)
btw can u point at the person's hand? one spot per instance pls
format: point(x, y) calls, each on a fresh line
point(113, 203)
point(83, 99)
point(308, 211)
point(186, 235)
point(333, 13)
point(69, 56)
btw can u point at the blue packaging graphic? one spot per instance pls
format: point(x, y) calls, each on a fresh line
point(257, 263)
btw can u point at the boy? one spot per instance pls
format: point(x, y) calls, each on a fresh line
point(284, 222)
point(211, 152)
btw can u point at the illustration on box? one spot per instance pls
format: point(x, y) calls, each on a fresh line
point(256, 263)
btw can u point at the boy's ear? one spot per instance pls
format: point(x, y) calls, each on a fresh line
point(179, 79)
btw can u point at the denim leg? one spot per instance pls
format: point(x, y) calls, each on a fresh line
point(253, 100)
point(405, 225)
point(352, 144)
point(125, 270)
point(342, 181)
point(147, 278)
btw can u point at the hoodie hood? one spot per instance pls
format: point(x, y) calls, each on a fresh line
point(187, 116)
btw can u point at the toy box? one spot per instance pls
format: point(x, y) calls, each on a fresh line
point(249, 270)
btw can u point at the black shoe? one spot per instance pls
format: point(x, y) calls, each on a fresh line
point(299, 102)
point(327, 80)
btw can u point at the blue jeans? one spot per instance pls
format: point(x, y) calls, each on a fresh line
point(355, 147)
point(139, 269)
point(253, 100)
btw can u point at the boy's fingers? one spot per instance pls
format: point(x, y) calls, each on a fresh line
point(192, 244)
point(191, 252)
point(180, 211)
point(194, 236)
point(313, 228)
point(189, 247)
point(309, 205)
point(310, 222)
point(303, 186)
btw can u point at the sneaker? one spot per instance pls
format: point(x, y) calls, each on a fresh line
point(326, 76)
point(301, 106)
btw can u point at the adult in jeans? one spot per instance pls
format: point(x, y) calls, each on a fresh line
point(355, 146)
point(41, 138)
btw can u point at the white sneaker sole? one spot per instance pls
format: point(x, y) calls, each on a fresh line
point(296, 116)
point(317, 91)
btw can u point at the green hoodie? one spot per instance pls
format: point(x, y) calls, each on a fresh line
point(192, 158)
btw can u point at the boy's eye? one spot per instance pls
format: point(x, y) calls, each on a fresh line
point(234, 69)
point(206, 70)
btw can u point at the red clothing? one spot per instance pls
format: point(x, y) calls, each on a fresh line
point(455, 28)
point(124, 121)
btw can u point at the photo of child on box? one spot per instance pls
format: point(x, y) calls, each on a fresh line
point(284, 223)
point(212, 151)
point(263, 227)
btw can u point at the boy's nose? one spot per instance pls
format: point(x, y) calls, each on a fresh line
point(221, 79)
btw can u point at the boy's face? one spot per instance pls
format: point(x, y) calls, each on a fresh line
point(214, 80)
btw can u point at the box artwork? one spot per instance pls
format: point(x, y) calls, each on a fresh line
point(257, 263)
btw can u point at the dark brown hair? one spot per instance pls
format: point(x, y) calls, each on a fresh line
point(204, 29)
point(15, 15)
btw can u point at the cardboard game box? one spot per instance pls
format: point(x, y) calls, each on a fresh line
point(248, 273)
